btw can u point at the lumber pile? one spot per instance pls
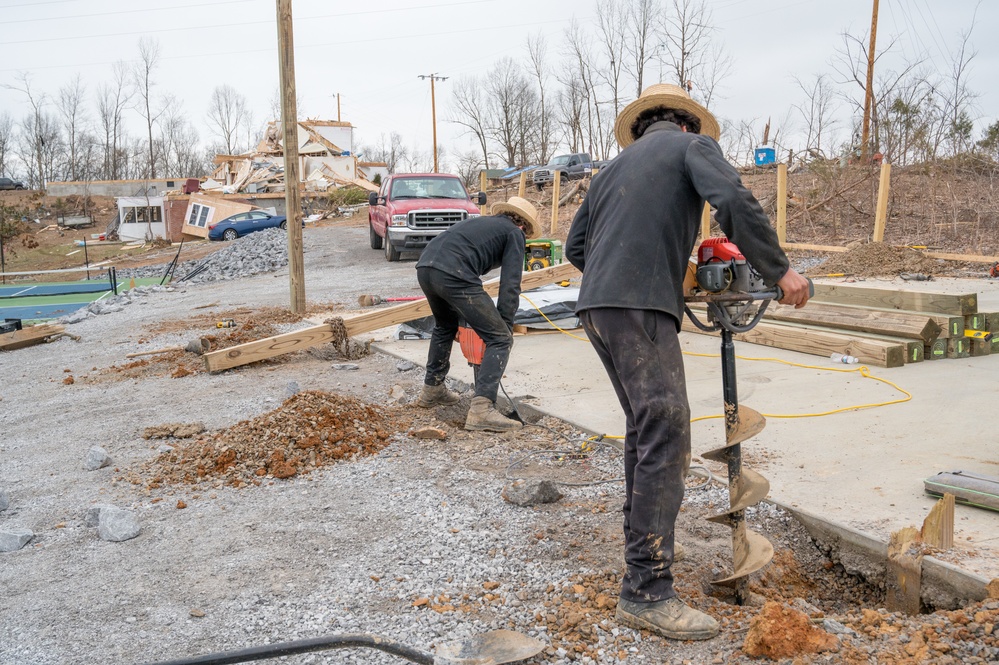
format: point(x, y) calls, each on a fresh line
point(18, 339)
point(881, 327)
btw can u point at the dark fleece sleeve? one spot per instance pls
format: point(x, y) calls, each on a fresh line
point(738, 212)
point(511, 270)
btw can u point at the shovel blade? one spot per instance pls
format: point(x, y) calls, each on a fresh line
point(496, 646)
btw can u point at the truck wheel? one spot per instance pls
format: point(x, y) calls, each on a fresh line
point(391, 253)
point(540, 186)
point(563, 178)
point(374, 238)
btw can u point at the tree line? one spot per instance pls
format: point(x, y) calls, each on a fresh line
point(554, 98)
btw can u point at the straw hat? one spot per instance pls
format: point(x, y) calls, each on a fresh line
point(668, 96)
point(523, 209)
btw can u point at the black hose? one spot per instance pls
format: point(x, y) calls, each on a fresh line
point(344, 641)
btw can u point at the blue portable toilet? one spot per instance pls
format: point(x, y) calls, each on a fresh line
point(765, 155)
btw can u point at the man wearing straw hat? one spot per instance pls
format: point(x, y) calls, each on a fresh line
point(632, 238)
point(449, 272)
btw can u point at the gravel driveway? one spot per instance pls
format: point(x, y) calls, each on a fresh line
point(410, 538)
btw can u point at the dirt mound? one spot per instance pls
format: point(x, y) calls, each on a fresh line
point(877, 259)
point(310, 430)
point(782, 632)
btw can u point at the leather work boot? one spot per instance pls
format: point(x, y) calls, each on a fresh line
point(436, 396)
point(670, 618)
point(483, 416)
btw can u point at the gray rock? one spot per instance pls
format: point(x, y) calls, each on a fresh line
point(346, 366)
point(836, 628)
point(292, 389)
point(13, 539)
point(405, 366)
point(116, 525)
point(97, 458)
point(93, 514)
point(531, 492)
point(4, 501)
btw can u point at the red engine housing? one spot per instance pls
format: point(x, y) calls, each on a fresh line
point(718, 249)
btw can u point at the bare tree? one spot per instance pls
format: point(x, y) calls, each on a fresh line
point(641, 31)
point(816, 112)
point(227, 113)
point(958, 98)
point(538, 53)
point(393, 153)
point(179, 151)
point(71, 98)
point(469, 110)
point(581, 70)
point(142, 74)
point(509, 98)
point(112, 99)
point(6, 141)
point(686, 27)
point(612, 25)
point(33, 129)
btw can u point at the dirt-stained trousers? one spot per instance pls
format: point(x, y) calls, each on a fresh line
point(452, 300)
point(640, 350)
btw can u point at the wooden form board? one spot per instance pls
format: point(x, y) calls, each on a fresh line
point(808, 339)
point(912, 301)
point(18, 339)
point(883, 322)
point(357, 324)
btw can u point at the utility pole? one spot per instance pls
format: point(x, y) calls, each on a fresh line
point(289, 124)
point(433, 108)
point(338, 107)
point(869, 93)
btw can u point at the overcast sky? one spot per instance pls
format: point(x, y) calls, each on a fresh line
point(372, 53)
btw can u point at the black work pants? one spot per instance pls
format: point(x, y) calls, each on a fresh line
point(640, 350)
point(453, 300)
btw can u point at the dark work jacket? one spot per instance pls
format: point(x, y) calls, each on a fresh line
point(471, 248)
point(633, 235)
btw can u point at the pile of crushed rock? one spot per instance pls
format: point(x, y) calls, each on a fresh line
point(259, 252)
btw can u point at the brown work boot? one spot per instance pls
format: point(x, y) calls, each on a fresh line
point(670, 618)
point(436, 396)
point(483, 416)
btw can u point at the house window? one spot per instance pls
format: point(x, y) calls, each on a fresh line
point(199, 215)
point(141, 215)
point(170, 183)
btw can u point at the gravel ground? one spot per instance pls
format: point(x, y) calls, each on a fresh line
point(402, 536)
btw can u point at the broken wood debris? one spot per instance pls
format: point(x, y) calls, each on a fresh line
point(18, 339)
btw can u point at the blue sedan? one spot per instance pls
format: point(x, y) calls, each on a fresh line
point(239, 225)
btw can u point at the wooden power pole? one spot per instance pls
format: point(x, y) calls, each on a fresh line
point(865, 137)
point(289, 123)
point(433, 109)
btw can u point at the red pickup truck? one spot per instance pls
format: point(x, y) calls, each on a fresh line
point(411, 209)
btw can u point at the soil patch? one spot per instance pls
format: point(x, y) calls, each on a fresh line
point(310, 430)
point(877, 260)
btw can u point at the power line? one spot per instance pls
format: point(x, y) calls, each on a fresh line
point(125, 11)
point(213, 26)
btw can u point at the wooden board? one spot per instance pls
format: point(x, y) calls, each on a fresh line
point(903, 577)
point(975, 322)
point(895, 323)
point(913, 301)
point(958, 347)
point(808, 339)
point(18, 339)
point(979, 347)
point(937, 350)
point(357, 324)
point(938, 527)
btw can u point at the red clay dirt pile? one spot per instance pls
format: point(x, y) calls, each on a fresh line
point(781, 632)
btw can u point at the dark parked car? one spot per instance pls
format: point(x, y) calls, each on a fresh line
point(235, 226)
point(7, 183)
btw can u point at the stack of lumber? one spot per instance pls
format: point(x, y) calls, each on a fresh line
point(881, 327)
point(29, 336)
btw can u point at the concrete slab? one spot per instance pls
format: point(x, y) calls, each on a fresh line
point(862, 467)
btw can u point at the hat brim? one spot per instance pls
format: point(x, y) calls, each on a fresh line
point(533, 230)
point(627, 117)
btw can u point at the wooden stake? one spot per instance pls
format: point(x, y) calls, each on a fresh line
point(522, 187)
point(782, 203)
point(706, 222)
point(482, 180)
point(938, 527)
point(904, 575)
point(880, 218)
point(289, 123)
point(556, 187)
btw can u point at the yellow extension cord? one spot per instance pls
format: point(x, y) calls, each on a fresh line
point(862, 369)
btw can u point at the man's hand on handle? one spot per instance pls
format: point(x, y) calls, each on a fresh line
point(795, 288)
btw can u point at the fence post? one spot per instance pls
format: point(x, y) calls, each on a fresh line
point(782, 204)
point(522, 188)
point(706, 222)
point(880, 218)
point(556, 192)
point(482, 181)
